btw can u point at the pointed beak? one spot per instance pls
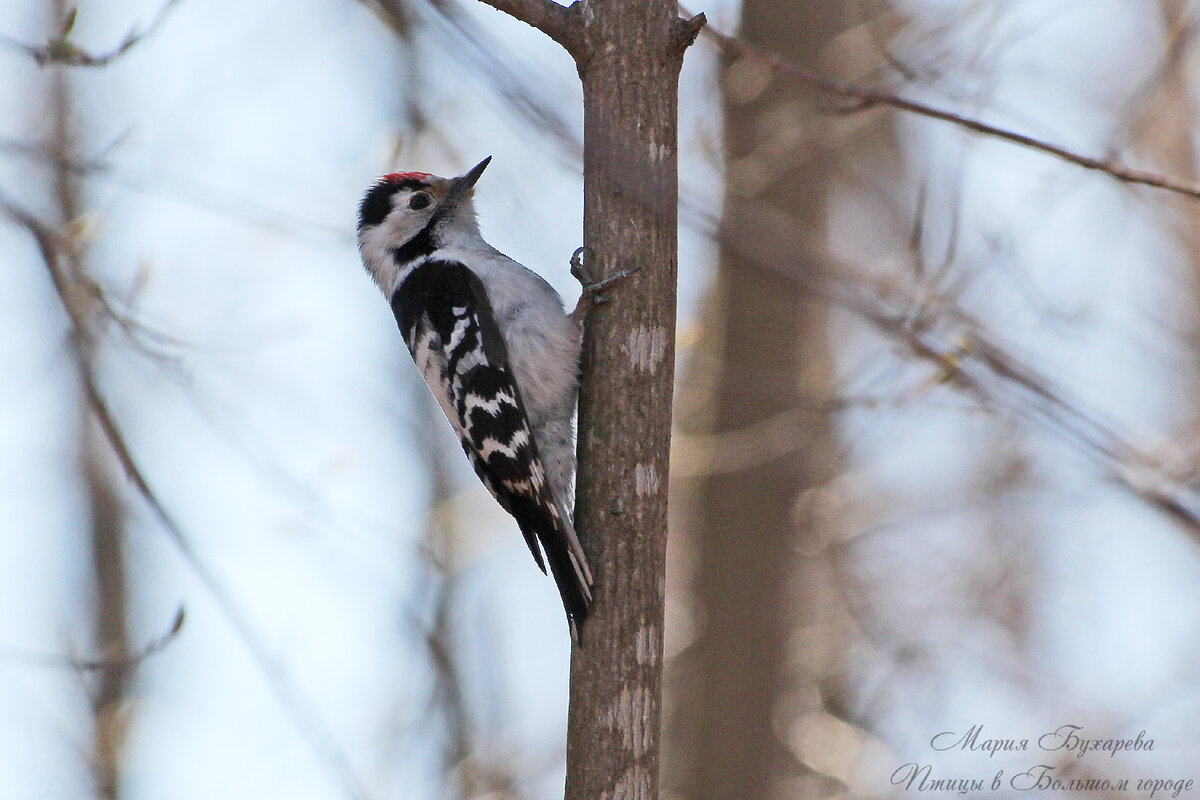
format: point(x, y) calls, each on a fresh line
point(463, 185)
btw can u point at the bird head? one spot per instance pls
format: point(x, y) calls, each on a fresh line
point(402, 205)
point(417, 210)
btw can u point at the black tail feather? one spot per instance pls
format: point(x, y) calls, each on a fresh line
point(573, 586)
point(576, 595)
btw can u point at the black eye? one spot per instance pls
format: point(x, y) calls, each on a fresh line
point(418, 201)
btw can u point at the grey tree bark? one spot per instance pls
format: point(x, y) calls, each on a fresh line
point(628, 53)
point(630, 84)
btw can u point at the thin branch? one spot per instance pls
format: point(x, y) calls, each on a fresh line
point(1179, 35)
point(557, 22)
point(865, 97)
point(183, 189)
point(974, 362)
point(304, 714)
point(970, 360)
point(76, 664)
point(61, 50)
point(1129, 466)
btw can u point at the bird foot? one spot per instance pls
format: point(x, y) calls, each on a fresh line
point(592, 289)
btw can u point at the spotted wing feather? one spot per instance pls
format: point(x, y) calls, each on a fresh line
point(448, 324)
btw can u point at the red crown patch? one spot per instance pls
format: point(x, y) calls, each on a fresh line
point(396, 177)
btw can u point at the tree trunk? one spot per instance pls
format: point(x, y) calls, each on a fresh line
point(628, 53)
point(1160, 123)
point(630, 74)
point(761, 572)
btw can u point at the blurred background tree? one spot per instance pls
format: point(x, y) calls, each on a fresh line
point(757, 419)
point(935, 455)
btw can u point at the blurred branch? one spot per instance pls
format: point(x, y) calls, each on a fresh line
point(969, 359)
point(470, 764)
point(770, 353)
point(74, 663)
point(68, 292)
point(186, 190)
point(1130, 466)
point(972, 360)
point(107, 517)
point(304, 714)
point(494, 62)
point(61, 50)
point(393, 13)
point(1141, 112)
point(489, 59)
point(560, 23)
point(437, 549)
point(469, 769)
point(726, 452)
point(864, 97)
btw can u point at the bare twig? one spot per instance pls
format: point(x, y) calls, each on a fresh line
point(549, 17)
point(108, 690)
point(440, 539)
point(304, 714)
point(1125, 462)
point(1181, 24)
point(61, 50)
point(187, 190)
point(865, 97)
point(973, 361)
point(969, 359)
point(74, 663)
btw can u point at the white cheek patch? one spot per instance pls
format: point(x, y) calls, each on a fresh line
point(378, 244)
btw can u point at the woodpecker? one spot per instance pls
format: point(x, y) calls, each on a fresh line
point(497, 351)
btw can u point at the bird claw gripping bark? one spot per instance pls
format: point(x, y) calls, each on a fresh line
point(591, 295)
